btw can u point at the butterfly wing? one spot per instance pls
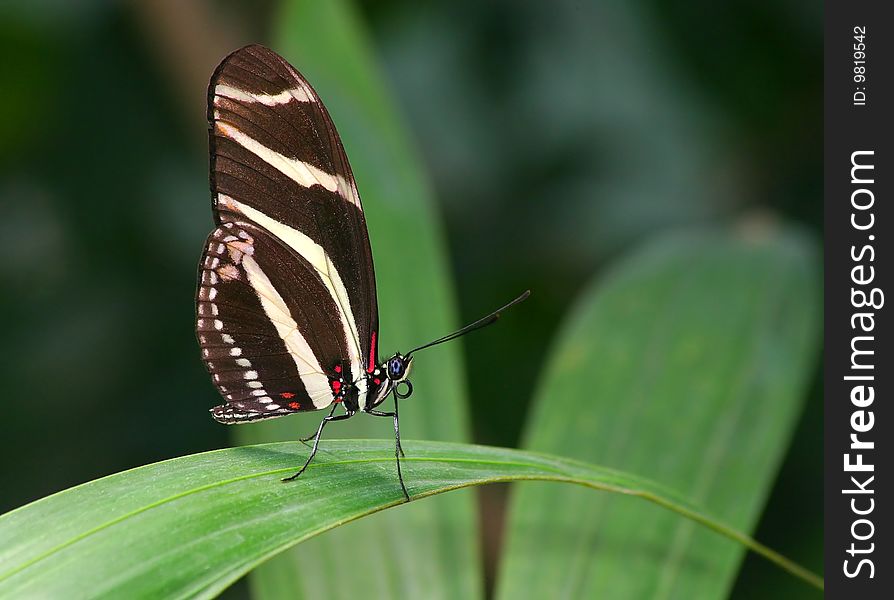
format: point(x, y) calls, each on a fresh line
point(297, 291)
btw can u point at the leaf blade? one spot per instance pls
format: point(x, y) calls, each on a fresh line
point(672, 348)
point(190, 526)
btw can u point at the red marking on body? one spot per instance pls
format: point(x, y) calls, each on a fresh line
point(288, 395)
point(294, 405)
point(377, 381)
point(336, 385)
point(338, 368)
point(371, 366)
point(337, 400)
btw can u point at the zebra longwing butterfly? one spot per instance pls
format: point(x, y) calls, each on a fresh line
point(286, 307)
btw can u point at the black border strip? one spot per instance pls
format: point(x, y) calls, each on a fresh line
point(858, 264)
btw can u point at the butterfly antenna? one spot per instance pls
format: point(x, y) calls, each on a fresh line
point(479, 324)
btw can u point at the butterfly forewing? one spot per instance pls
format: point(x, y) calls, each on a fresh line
point(294, 288)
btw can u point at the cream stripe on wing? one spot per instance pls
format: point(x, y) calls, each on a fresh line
point(298, 94)
point(316, 384)
point(317, 257)
point(304, 174)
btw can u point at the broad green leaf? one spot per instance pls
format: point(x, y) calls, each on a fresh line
point(688, 364)
point(190, 526)
point(429, 549)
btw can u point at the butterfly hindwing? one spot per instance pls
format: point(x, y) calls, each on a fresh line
point(258, 350)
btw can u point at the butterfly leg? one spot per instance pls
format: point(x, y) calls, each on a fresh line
point(313, 452)
point(398, 451)
point(314, 435)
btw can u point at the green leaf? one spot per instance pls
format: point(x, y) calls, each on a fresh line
point(190, 526)
point(431, 548)
point(688, 365)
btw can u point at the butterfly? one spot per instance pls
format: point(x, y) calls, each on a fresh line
point(286, 312)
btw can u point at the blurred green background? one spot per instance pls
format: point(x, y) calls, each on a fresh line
point(558, 136)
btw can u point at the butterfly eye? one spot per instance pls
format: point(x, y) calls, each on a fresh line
point(395, 368)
